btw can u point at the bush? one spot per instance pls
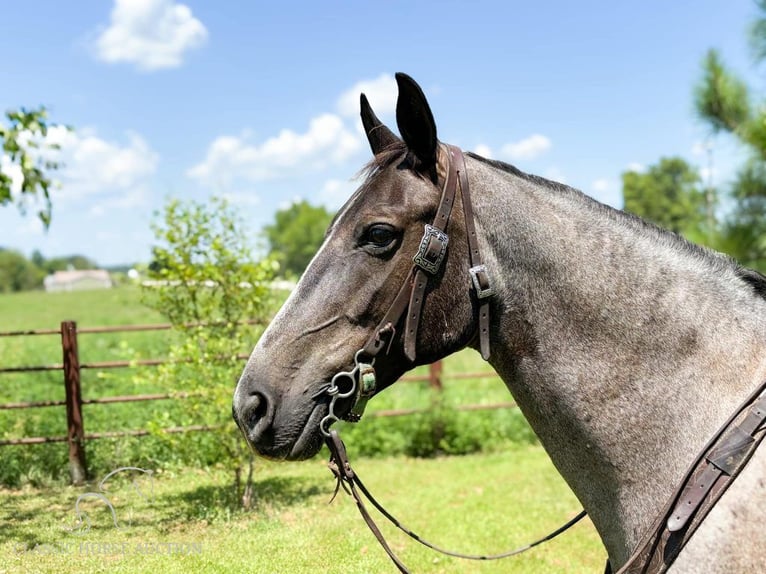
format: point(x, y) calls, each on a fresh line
point(441, 430)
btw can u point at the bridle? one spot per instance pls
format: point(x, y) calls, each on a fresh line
point(426, 263)
point(358, 384)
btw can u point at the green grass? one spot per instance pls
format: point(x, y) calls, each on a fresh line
point(478, 503)
point(39, 310)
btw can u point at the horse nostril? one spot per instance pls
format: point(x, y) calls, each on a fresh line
point(256, 409)
point(255, 415)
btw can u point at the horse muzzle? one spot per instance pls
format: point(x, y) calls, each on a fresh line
point(277, 430)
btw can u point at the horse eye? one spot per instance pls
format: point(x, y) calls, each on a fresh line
point(379, 235)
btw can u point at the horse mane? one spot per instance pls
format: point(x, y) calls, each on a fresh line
point(395, 152)
point(755, 280)
point(512, 169)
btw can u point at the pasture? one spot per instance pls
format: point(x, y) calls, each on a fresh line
point(481, 502)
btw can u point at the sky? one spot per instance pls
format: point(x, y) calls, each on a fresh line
point(258, 101)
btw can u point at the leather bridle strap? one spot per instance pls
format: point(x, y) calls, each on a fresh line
point(478, 271)
point(433, 247)
point(353, 485)
point(428, 261)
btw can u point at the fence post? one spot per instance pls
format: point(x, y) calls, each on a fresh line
point(435, 376)
point(75, 431)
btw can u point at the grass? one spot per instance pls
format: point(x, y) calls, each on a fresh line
point(477, 503)
point(39, 310)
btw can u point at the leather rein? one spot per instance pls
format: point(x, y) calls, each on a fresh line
point(359, 383)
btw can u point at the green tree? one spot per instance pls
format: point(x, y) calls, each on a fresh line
point(207, 285)
point(668, 194)
point(17, 273)
point(727, 105)
point(296, 235)
point(23, 140)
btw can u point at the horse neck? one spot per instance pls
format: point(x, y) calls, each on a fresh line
point(624, 347)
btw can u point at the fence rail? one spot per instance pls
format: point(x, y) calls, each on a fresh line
point(73, 401)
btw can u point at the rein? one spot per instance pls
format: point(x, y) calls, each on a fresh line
point(348, 479)
point(360, 385)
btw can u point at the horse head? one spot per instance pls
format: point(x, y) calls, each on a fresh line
point(363, 270)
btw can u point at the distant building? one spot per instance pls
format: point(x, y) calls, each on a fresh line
point(78, 280)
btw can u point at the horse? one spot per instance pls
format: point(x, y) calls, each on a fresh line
point(625, 346)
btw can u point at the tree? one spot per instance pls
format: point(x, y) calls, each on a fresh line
point(17, 273)
point(204, 265)
point(23, 142)
point(207, 284)
point(296, 235)
point(725, 103)
point(668, 194)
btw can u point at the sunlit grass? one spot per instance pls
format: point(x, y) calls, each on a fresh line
point(478, 503)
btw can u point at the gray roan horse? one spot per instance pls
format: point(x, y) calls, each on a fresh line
point(625, 346)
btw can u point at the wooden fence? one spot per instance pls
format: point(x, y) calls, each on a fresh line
point(71, 367)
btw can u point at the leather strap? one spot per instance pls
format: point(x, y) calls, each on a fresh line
point(411, 295)
point(350, 482)
point(724, 459)
point(479, 272)
point(341, 468)
point(417, 297)
point(440, 223)
point(686, 509)
point(387, 326)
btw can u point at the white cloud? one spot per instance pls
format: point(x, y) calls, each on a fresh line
point(709, 175)
point(637, 167)
point(381, 92)
point(116, 174)
point(483, 151)
point(31, 226)
point(93, 166)
point(603, 185)
point(152, 34)
point(335, 192)
point(555, 174)
point(607, 191)
point(327, 141)
point(528, 148)
point(242, 198)
point(129, 199)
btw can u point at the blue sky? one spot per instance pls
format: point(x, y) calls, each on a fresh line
point(257, 101)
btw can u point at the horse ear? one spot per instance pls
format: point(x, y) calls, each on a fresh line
point(379, 136)
point(415, 120)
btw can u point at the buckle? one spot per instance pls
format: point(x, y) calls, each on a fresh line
point(433, 248)
point(479, 277)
